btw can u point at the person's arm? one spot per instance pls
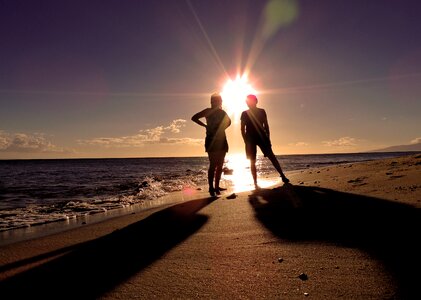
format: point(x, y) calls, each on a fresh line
point(201, 114)
point(227, 121)
point(243, 127)
point(266, 124)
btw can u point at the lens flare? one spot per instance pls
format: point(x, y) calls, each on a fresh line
point(277, 14)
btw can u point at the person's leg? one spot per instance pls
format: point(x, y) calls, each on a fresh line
point(277, 166)
point(253, 171)
point(218, 170)
point(251, 152)
point(211, 173)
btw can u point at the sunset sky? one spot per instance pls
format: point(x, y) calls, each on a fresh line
point(101, 78)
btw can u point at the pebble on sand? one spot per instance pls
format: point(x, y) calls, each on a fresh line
point(232, 196)
point(303, 276)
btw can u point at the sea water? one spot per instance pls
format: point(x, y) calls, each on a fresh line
point(36, 192)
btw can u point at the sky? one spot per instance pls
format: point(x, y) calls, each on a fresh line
point(103, 78)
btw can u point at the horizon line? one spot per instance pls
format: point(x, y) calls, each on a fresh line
point(204, 156)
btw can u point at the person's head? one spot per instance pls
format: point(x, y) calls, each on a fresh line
point(251, 101)
point(216, 100)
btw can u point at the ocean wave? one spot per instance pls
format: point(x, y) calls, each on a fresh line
point(106, 199)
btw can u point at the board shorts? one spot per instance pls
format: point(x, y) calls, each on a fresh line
point(251, 148)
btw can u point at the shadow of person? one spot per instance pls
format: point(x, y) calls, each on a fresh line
point(95, 267)
point(389, 231)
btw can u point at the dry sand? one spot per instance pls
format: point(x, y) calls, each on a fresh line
point(351, 231)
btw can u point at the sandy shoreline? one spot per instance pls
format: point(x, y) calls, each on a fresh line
point(27, 233)
point(355, 237)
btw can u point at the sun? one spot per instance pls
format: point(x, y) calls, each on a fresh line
point(234, 95)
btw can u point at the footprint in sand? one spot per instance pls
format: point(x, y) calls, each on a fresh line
point(358, 181)
point(396, 176)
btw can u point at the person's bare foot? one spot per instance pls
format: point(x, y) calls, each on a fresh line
point(219, 189)
point(284, 179)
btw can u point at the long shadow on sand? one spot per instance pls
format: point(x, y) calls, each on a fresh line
point(97, 266)
point(387, 230)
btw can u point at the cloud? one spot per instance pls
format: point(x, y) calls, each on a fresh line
point(28, 143)
point(155, 135)
point(176, 125)
point(185, 140)
point(416, 141)
point(341, 142)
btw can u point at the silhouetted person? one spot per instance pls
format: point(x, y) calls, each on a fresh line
point(255, 132)
point(216, 144)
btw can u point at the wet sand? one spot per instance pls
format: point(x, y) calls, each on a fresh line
point(348, 231)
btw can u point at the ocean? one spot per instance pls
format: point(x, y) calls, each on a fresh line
point(63, 192)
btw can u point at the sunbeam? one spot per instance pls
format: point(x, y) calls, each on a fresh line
point(109, 94)
point(323, 86)
point(212, 48)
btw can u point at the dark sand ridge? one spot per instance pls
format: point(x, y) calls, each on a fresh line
point(353, 230)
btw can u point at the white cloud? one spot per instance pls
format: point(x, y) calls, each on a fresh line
point(414, 141)
point(28, 143)
point(155, 135)
point(341, 142)
point(4, 141)
point(176, 125)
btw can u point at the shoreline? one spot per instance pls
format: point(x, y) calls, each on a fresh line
point(12, 236)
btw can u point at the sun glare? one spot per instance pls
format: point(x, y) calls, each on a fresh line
point(234, 95)
point(241, 179)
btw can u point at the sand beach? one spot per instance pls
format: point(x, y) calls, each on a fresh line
point(347, 231)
